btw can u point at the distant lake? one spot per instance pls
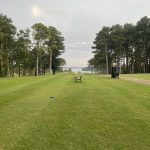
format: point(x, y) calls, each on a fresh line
point(76, 69)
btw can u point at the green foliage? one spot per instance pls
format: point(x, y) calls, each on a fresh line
point(55, 47)
point(69, 70)
point(39, 32)
point(55, 41)
point(126, 46)
point(22, 55)
point(22, 51)
point(7, 32)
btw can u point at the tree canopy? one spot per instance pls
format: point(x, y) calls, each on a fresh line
point(33, 51)
point(127, 47)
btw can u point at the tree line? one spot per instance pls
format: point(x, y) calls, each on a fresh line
point(33, 51)
point(125, 46)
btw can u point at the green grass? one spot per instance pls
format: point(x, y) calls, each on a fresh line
point(98, 114)
point(138, 76)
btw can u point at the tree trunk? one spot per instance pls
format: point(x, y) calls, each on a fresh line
point(1, 59)
point(24, 70)
point(119, 57)
point(7, 67)
point(19, 70)
point(40, 65)
point(7, 61)
point(37, 59)
point(127, 61)
point(106, 54)
point(12, 69)
point(50, 61)
point(144, 58)
point(132, 68)
point(37, 64)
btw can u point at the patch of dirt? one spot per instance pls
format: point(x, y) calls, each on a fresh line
point(136, 80)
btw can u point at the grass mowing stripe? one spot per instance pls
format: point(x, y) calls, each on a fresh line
point(132, 97)
point(79, 120)
point(99, 113)
point(27, 86)
point(123, 100)
point(21, 113)
point(24, 82)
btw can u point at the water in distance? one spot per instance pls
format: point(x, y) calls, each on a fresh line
point(76, 69)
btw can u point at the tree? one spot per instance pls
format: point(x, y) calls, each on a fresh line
point(22, 54)
point(7, 32)
point(129, 42)
point(55, 47)
point(142, 47)
point(117, 35)
point(102, 42)
point(103, 50)
point(127, 46)
point(39, 34)
point(18, 55)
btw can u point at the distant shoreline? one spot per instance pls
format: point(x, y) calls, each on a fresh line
point(76, 69)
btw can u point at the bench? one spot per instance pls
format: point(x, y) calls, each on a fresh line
point(78, 78)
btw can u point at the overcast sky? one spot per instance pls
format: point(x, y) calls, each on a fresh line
point(77, 20)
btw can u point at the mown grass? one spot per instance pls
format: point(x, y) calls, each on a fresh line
point(145, 76)
point(99, 113)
